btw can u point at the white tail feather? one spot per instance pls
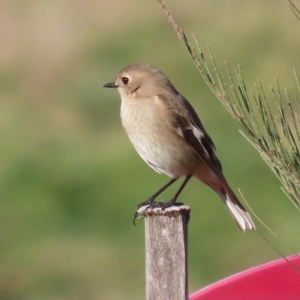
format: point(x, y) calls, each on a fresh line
point(240, 215)
point(242, 218)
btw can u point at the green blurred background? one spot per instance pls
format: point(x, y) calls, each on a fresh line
point(70, 180)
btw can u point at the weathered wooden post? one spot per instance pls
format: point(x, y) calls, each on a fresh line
point(166, 252)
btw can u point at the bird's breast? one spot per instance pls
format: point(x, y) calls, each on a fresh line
point(149, 126)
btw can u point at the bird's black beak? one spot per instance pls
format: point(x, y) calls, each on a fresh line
point(111, 85)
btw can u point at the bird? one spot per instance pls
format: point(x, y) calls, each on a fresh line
point(167, 133)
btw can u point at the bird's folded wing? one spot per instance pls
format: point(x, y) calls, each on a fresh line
point(188, 125)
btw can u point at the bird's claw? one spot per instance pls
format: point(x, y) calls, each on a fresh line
point(152, 204)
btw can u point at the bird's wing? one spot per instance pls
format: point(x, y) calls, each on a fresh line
point(187, 122)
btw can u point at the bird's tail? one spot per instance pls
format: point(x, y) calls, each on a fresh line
point(237, 210)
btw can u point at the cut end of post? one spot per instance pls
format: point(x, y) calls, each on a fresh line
point(172, 211)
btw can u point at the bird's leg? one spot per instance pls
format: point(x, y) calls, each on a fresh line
point(150, 201)
point(173, 200)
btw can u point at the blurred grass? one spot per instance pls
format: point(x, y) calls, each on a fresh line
point(70, 180)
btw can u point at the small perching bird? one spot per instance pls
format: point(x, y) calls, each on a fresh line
point(167, 133)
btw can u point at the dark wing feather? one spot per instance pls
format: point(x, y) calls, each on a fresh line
point(186, 118)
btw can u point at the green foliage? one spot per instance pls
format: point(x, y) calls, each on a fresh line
point(69, 179)
point(275, 133)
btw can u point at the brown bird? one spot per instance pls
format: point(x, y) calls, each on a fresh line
point(167, 133)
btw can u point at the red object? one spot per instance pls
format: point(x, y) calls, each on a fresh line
point(275, 280)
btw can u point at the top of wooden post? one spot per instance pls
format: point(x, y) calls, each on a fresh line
point(171, 211)
point(166, 251)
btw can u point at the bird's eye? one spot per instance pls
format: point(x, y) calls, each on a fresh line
point(125, 80)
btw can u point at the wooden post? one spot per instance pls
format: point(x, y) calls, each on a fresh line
point(166, 252)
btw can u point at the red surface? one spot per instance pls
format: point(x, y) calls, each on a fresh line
point(276, 280)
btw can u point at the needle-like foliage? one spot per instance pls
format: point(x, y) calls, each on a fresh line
point(269, 121)
point(295, 10)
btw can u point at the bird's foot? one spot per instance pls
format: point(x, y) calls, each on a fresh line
point(152, 204)
point(164, 205)
point(172, 203)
